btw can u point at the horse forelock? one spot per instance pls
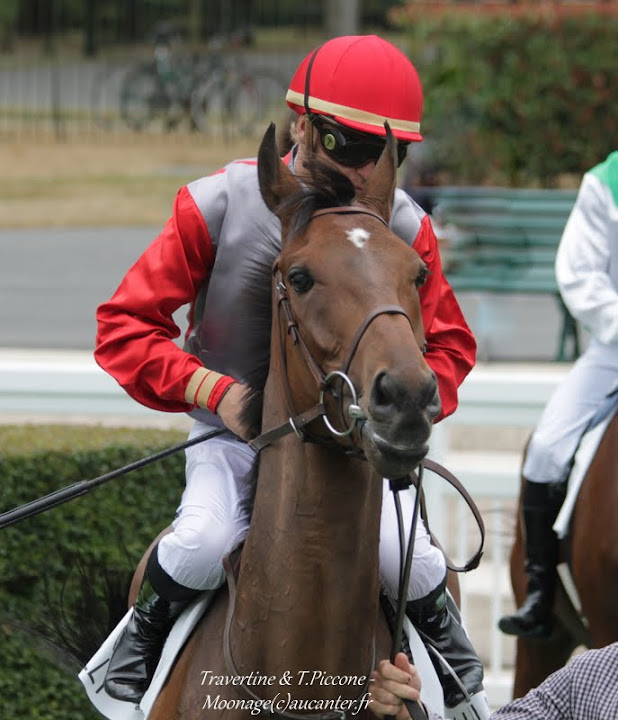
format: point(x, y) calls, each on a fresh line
point(325, 187)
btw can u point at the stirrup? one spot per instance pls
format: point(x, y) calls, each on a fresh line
point(474, 706)
point(449, 671)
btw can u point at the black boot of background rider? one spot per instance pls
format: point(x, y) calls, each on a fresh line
point(441, 629)
point(541, 504)
point(138, 649)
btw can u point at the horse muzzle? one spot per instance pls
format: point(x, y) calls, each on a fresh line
point(398, 424)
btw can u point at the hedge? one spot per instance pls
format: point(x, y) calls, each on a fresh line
point(64, 574)
point(515, 98)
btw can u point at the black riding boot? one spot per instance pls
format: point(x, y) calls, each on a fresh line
point(440, 628)
point(541, 503)
point(138, 649)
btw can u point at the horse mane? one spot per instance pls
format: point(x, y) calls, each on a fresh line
point(251, 412)
point(325, 187)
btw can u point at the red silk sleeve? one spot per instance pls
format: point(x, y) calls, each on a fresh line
point(451, 347)
point(136, 331)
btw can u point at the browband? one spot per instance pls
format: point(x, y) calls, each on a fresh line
point(349, 210)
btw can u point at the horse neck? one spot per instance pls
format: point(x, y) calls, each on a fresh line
point(308, 584)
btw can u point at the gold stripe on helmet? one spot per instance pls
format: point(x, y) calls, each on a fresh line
point(352, 114)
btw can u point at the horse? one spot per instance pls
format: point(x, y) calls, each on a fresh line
point(591, 549)
point(298, 623)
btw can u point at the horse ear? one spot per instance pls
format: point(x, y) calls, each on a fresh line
point(275, 178)
point(379, 192)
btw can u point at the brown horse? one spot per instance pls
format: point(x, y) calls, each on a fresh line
point(302, 625)
point(592, 551)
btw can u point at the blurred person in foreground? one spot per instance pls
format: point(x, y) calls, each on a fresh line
point(215, 254)
point(584, 689)
point(587, 275)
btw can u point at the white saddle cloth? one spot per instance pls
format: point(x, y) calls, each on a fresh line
point(93, 673)
point(583, 457)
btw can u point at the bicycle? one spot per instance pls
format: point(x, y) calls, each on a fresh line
point(160, 89)
point(214, 92)
point(234, 101)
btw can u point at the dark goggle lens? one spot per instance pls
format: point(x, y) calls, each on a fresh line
point(354, 149)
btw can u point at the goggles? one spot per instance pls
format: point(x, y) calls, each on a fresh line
point(352, 148)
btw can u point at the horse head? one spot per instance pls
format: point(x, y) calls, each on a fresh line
point(351, 328)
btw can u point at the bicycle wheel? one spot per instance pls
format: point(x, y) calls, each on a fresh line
point(212, 104)
point(143, 98)
point(260, 100)
point(105, 96)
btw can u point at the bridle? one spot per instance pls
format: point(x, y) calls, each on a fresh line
point(297, 423)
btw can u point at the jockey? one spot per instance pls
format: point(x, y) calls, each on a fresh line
point(587, 274)
point(216, 254)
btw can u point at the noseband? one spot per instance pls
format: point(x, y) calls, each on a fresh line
point(325, 382)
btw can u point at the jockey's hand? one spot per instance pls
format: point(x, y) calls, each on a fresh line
point(390, 684)
point(230, 407)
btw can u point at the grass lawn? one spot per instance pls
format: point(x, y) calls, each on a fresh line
point(129, 180)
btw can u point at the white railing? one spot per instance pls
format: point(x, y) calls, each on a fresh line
point(495, 400)
point(59, 386)
point(482, 444)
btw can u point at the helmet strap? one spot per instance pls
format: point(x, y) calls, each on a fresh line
point(308, 137)
point(309, 146)
point(310, 115)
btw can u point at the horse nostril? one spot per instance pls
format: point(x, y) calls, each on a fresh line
point(389, 396)
point(430, 397)
point(382, 395)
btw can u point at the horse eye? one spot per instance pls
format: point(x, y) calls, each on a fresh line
point(300, 280)
point(421, 277)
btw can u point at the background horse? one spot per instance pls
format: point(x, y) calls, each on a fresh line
point(592, 550)
point(306, 596)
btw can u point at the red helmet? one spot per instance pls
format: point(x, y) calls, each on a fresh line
point(361, 81)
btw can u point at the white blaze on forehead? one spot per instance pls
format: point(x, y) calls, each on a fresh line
point(358, 236)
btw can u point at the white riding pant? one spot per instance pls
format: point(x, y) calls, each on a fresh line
point(215, 509)
point(568, 412)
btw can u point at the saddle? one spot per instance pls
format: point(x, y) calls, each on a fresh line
point(569, 607)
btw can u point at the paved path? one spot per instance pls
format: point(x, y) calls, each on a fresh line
point(52, 280)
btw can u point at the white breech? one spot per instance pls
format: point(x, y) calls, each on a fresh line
point(568, 412)
point(215, 509)
point(214, 512)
